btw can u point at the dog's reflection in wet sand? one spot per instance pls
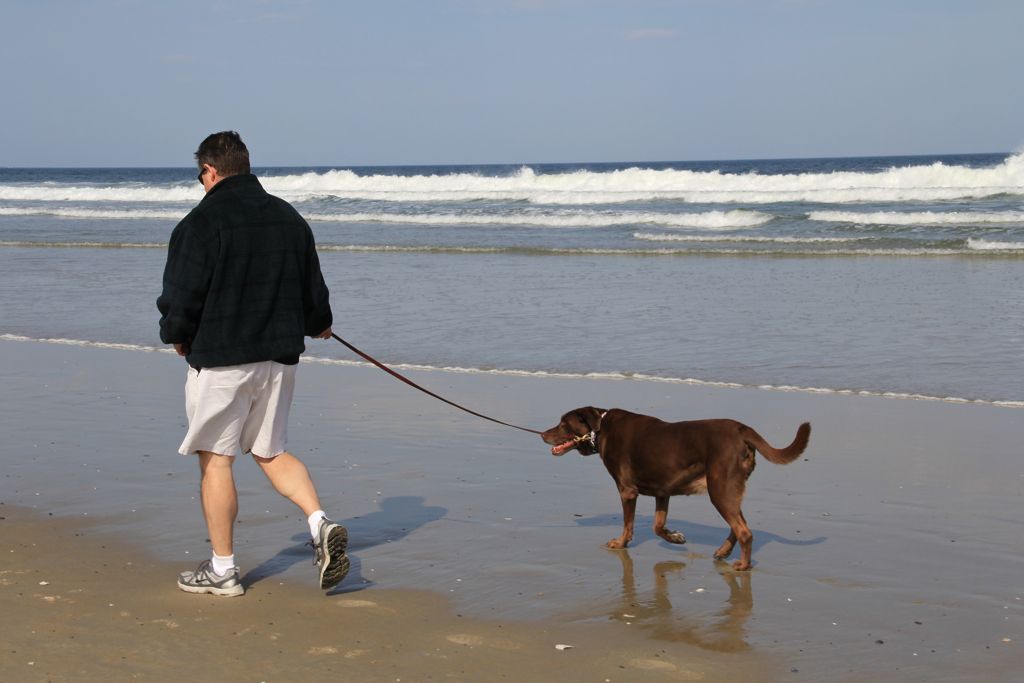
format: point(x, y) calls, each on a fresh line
point(721, 631)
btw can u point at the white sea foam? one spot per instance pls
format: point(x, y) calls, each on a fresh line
point(979, 248)
point(758, 239)
point(928, 182)
point(83, 342)
point(681, 251)
point(83, 245)
point(639, 377)
point(95, 214)
point(710, 220)
point(917, 217)
point(54, 192)
point(987, 245)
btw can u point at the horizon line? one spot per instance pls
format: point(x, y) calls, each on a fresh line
point(524, 163)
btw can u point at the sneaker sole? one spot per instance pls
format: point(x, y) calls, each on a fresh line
point(232, 592)
point(336, 565)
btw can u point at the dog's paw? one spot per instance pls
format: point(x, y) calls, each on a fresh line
point(675, 537)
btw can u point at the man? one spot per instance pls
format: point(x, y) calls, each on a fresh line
point(241, 289)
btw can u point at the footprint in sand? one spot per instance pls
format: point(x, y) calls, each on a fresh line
point(322, 650)
point(4, 581)
point(169, 623)
point(659, 665)
point(465, 639)
point(363, 604)
point(473, 640)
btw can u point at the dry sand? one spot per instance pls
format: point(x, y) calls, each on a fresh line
point(890, 552)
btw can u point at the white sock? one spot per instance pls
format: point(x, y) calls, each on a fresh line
point(314, 522)
point(223, 564)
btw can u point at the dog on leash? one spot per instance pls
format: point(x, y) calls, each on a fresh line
point(650, 457)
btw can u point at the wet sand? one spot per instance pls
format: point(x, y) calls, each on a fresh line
point(891, 551)
point(81, 607)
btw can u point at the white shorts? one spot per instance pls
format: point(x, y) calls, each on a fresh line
point(239, 409)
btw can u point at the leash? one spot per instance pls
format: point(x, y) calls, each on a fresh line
point(408, 381)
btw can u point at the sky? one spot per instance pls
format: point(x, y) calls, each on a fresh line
point(409, 82)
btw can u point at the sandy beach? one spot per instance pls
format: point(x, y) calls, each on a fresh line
point(890, 551)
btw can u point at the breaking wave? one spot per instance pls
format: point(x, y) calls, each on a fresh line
point(925, 182)
point(988, 245)
point(917, 217)
point(655, 237)
point(711, 220)
point(95, 214)
point(786, 246)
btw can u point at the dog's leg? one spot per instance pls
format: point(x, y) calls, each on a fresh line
point(726, 499)
point(725, 550)
point(628, 513)
point(661, 517)
point(746, 545)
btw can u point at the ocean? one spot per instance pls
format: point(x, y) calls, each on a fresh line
point(897, 276)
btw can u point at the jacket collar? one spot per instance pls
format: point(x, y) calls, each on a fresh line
point(237, 181)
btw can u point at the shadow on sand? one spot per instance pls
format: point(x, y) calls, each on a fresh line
point(397, 517)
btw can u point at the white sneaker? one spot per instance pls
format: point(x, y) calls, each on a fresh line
point(205, 580)
point(329, 546)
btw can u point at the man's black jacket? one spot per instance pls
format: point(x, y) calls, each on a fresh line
point(242, 282)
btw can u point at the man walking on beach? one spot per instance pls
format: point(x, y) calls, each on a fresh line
point(241, 289)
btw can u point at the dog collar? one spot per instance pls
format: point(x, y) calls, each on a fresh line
point(592, 436)
point(594, 432)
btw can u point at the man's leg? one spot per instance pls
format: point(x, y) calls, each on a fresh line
point(291, 479)
point(265, 433)
point(218, 575)
point(220, 500)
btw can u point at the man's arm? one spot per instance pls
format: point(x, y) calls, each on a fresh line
point(315, 296)
point(185, 283)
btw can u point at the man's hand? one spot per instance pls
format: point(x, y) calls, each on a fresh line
point(326, 334)
point(182, 349)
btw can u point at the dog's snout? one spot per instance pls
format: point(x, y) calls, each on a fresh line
point(552, 436)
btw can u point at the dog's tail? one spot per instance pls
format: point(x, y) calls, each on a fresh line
point(779, 456)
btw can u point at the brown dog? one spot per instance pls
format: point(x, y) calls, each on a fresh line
point(649, 457)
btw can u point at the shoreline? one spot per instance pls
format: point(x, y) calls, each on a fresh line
point(885, 552)
point(543, 374)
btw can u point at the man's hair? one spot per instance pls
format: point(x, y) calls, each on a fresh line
point(225, 151)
